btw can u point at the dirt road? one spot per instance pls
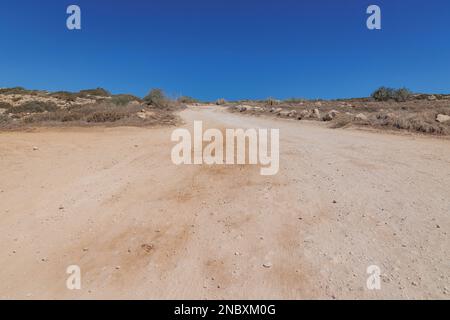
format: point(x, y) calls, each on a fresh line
point(111, 201)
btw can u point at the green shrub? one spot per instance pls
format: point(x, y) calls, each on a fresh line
point(402, 95)
point(156, 98)
point(34, 107)
point(123, 99)
point(383, 94)
point(94, 92)
point(386, 94)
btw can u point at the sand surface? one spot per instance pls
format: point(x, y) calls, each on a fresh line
point(111, 201)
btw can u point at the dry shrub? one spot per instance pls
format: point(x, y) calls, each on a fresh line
point(106, 116)
point(341, 120)
point(221, 101)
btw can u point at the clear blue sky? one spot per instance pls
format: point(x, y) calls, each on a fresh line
point(227, 48)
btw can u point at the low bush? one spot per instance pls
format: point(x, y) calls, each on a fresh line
point(123, 99)
point(386, 94)
point(157, 98)
point(33, 107)
point(100, 92)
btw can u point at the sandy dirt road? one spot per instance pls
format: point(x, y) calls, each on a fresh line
point(111, 201)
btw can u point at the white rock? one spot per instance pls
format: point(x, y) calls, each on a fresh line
point(317, 113)
point(361, 116)
point(442, 118)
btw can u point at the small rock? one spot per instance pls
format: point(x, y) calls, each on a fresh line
point(441, 118)
point(330, 115)
point(361, 116)
point(241, 108)
point(267, 265)
point(117, 267)
point(35, 148)
point(277, 110)
point(284, 113)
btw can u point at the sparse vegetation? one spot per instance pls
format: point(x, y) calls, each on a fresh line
point(187, 100)
point(294, 100)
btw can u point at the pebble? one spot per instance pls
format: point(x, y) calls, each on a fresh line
point(267, 265)
point(35, 148)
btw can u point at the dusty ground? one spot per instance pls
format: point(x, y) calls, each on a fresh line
point(111, 201)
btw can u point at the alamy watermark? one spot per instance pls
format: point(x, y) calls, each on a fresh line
point(236, 146)
point(374, 20)
point(73, 22)
point(73, 282)
point(374, 280)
